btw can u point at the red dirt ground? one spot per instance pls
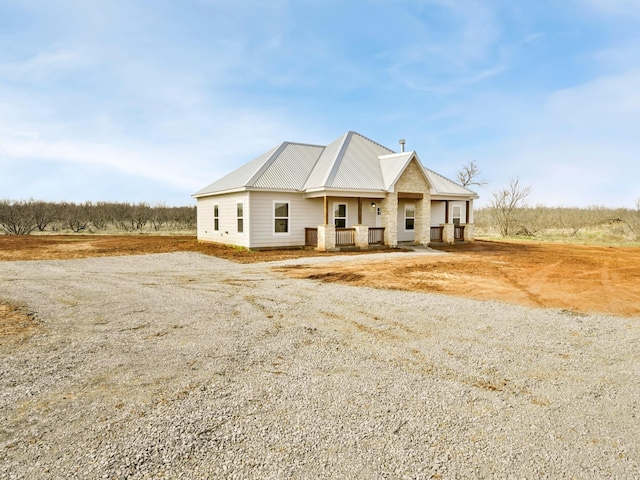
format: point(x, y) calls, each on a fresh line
point(576, 278)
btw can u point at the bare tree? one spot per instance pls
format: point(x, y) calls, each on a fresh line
point(77, 216)
point(470, 174)
point(505, 204)
point(632, 219)
point(43, 213)
point(17, 218)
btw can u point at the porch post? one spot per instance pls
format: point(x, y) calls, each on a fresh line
point(362, 236)
point(389, 211)
point(469, 227)
point(423, 221)
point(359, 211)
point(468, 232)
point(326, 210)
point(326, 238)
point(448, 232)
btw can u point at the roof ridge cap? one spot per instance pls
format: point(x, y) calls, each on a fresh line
point(331, 174)
point(305, 144)
point(304, 184)
point(267, 163)
point(372, 141)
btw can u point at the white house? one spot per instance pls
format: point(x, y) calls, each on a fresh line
point(352, 192)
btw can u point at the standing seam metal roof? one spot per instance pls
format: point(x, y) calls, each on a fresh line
point(350, 162)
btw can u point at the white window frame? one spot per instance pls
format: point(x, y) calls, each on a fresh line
point(216, 217)
point(406, 207)
point(346, 213)
point(454, 216)
point(288, 217)
point(238, 218)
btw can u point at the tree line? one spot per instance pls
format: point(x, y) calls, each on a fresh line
point(23, 217)
point(508, 213)
point(542, 221)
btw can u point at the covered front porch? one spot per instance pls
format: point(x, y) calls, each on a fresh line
point(452, 220)
point(369, 222)
point(350, 222)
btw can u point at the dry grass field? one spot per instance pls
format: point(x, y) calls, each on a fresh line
point(574, 277)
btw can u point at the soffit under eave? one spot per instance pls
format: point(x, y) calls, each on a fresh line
point(454, 197)
point(223, 192)
point(345, 193)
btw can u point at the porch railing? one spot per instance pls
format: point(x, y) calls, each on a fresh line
point(436, 234)
point(458, 232)
point(376, 235)
point(345, 237)
point(311, 237)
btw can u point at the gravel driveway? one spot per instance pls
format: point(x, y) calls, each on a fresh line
point(186, 366)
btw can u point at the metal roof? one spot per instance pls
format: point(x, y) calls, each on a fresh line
point(392, 167)
point(352, 162)
point(290, 168)
point(441, 185)
point(358, 167)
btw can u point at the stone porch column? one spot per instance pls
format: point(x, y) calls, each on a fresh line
point(423, 222)
point(469, 231)
point(326, 238)
point(448, 233)
point(362, 236)
point(389, 214)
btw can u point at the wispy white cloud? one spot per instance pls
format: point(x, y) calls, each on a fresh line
point(178, 95)
point(40, 66)
point(581, 146)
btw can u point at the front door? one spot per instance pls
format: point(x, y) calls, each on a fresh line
point(378, 217)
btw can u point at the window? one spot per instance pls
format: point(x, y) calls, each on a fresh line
point(409, 216)
point(216, 218)
point(340, 215)
point(456, 215)
point(281, 217)
point(240, 217)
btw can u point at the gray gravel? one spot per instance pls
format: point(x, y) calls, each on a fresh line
point(187, 366)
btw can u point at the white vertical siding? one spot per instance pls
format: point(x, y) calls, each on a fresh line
point(227, 214)
point(303, 212)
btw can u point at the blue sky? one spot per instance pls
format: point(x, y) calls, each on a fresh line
point(132, 100)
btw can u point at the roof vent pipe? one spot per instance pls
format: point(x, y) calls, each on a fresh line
point(402, 145)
